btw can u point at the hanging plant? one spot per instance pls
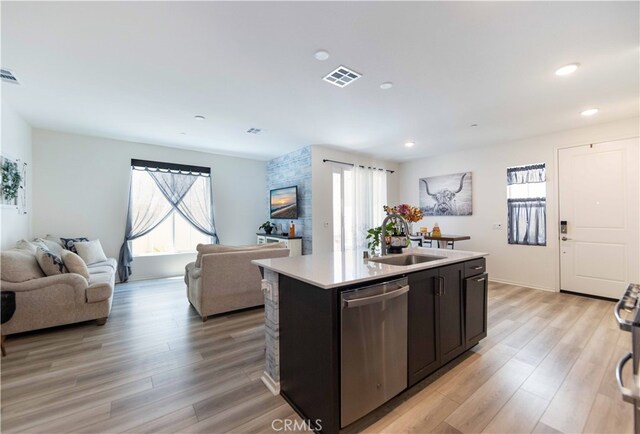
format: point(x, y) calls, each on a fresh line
point(10, 180)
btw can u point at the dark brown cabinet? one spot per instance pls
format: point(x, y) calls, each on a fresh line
point(475, 302)
point(447, 315)
point(436, 320)
point(422, 332)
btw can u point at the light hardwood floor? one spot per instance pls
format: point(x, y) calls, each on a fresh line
point(546, 366)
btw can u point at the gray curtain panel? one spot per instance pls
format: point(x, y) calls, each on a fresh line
point(526, 174)
point(527, 217)
point(174, 192)
point(194, 204)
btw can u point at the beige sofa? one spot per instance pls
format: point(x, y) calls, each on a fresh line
point(48, 301)
point(223, 279)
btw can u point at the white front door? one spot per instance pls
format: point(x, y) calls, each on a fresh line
point(598, 198)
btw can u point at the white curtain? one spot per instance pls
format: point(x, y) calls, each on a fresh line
point(365, 195)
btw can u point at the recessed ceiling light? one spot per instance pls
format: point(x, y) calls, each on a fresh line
point(567, 69)
point(321, 55)
point(199, 117)
point(409, 144)
point(386, 85)
point(590, 112)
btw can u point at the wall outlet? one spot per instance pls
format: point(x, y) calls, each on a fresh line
point(497, 226)
point(325, 225)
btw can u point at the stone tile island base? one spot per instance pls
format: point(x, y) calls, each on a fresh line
point(271, 375)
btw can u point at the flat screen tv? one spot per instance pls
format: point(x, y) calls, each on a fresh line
point(284, 203)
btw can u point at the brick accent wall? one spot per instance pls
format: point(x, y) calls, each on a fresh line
point(288, 170)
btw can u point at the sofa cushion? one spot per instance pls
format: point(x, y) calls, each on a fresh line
point(204, 249)
point(50, 263)
point(108, 266)
point(68, 243)
point(49, 245)
point(100, 287)
point(19, 266)
point(75, 264)
point(91, 252)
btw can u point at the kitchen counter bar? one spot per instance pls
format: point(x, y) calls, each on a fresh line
point(333, 270)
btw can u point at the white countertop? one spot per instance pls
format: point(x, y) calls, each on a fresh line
point(331, 270)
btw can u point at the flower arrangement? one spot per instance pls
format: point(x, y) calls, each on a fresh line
point(410, 213)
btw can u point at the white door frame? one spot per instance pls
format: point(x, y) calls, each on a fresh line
point(556, 191)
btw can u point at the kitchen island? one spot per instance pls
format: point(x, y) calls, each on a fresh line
point(345, 334)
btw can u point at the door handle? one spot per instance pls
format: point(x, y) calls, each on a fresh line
point(441, 285)
point(376, 298)
point(565, 239)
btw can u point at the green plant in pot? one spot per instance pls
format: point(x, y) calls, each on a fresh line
point(373, 235)
point(10, 180)
point(267, 226)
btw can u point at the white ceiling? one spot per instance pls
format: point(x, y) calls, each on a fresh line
point(140, 71)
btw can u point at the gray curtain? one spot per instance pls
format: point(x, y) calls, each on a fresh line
point(526, 174)
point(192, 204)
point(527, 219)
point(174, 192)
point(527, 216)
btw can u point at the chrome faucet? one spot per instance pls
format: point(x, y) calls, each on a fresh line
point(383, 235)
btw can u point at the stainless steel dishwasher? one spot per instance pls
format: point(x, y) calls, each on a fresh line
point(373, 347)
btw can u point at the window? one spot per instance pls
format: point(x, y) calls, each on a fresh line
point(174, 234)
point(359, 195)
point(526, 205)
point(170, 210)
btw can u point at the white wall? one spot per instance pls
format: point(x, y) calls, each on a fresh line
point(16, 143)
point(523, 265)
point(81, 186)
point(322, 184)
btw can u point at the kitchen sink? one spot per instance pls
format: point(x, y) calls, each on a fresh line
point(406, 260)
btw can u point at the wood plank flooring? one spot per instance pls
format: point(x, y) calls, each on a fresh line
point(547, 365)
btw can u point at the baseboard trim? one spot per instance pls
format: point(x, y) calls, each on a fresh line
point(526, 285)
point(582, 294)
point(273, 386)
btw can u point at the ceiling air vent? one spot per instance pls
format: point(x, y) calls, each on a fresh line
point(254, 130)
point(342, 76)
point(8, 76)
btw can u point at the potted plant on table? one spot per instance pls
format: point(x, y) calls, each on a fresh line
point(267, 226)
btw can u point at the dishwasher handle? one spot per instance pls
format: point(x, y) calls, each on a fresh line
point(357, 302)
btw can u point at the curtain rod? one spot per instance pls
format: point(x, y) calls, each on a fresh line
point(359, 165)
point(170, 166)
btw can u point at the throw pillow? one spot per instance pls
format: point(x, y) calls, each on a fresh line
point(75, 264)
point(52, 246)
point(90, 251)
point(68, 243)
point(27, 246)
point(19, 266)
point(50, 263)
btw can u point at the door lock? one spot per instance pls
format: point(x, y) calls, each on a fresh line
point(563, 226)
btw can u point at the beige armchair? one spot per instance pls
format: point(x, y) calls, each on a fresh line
point(223, 278)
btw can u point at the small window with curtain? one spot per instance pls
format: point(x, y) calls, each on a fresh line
point(527, 205)
point(170, 211)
